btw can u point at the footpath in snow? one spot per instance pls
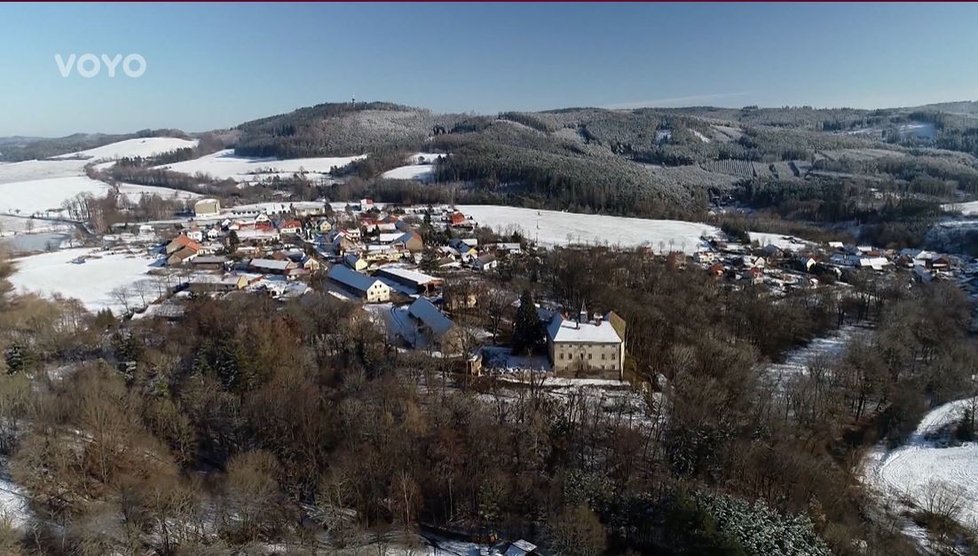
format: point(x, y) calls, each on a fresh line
point(910, 472)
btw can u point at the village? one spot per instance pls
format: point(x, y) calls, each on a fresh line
point(424, 275)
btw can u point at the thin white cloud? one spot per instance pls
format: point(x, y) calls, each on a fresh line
point(675, 101)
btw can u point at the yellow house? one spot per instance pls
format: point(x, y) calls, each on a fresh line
point(585, 345)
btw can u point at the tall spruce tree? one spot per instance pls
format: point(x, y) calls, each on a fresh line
point(527, 330)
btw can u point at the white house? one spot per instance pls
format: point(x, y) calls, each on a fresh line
point(195, 234)
point(485, 263)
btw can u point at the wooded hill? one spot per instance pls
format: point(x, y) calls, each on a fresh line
point(649, 162)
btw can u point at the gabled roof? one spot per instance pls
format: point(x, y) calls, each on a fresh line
point(520, 548)
point(426, 312)
point(271, 264)
point(412, 276)
point(408, 236)
point(210, 259)
point(186, 242)
point(390, 237)
point(184, 253)
point(351, 278)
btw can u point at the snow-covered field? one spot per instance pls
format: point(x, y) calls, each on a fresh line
point(967, 209)
point(417, 172)
point(41, 186)
point(560, 228)
point(910, 471)
point(148, 146)
point(420, 167)
point(133, 192)
point(43, 196)
point(40, 169)
point(226, 165)
point(95, 282)
point(13, 225)
point(788, 243)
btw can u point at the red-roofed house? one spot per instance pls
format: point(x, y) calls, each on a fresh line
point(457, 219)
point(181, 242)
point(290, 227)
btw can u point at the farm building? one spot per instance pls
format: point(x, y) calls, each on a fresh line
point(418, 282)
point(181, 242)
point(271, 266)
point(207, 208)
point(433, 328)
point(365, 287)
point(210, 262)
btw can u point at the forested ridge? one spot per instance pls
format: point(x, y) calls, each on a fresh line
point(642, 162)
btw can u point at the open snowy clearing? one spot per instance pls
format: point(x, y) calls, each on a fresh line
point(27, 170)
point(561, 228)
point(420, 167)
point(967, 209)
point(417, 172)
point(787, 243)
point(92, 282)
point(226, 165)
point(11, 225)
point(44, 197)
point(39, 187)
point(910, 471)
point(425, 158)
point(133, 192)
point(147, 146)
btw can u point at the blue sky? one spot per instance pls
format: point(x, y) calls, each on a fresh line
point(216, 65)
